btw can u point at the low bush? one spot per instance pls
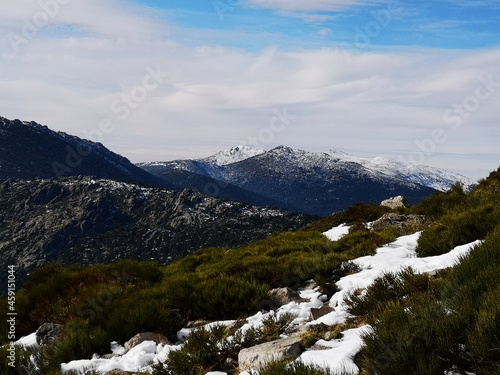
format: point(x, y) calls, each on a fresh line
point(295, 368)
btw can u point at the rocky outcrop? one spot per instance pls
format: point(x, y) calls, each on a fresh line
point(283, 296)
point(47, 333)
point(158, 338)
point(402, 224)
point(395, 202)
point(317, 313)
point(83, 220)
point(279, 350)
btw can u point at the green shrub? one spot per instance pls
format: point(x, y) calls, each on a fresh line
point(295, 368)
point(458, 228)
point(205, 350)
point(358, 213)
point(78, 340)
point(144, 311)
point(422, 340)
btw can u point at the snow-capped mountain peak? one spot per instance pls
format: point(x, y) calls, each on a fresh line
point(435, 178)
point(233, 155)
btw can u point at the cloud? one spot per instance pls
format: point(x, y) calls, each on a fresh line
point(214, 97)
point(311, 5)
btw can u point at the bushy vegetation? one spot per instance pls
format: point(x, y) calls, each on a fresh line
point(449, 321)
point(459, 217)
point(104, 303)
point(296, 368)
point(217, 347)
point(431, 324)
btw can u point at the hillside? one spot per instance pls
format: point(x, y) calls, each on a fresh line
point(87, 221)
point(29, 150)
point(357, 298)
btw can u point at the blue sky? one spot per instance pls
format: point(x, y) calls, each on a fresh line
point(415, 81)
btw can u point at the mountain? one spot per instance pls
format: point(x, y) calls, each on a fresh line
point(306, 182)
point(29, 150)
point(435, 178)
point(86, 221)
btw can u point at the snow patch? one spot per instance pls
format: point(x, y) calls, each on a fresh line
point(337, 233)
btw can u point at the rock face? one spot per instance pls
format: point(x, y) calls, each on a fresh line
point(158, 338)
point(278, 350)
point(394, 202)
point(82, 220)
point(403, 224)
point(47, 333)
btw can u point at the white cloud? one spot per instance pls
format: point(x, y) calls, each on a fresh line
point(311, 5)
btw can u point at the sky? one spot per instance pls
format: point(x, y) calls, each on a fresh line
point(161, 80)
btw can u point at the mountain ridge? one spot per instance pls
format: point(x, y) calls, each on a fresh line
point(300, 180)
point(30, 150)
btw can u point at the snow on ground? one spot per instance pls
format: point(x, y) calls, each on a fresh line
point(29, 340)
point(337, 233)
point(137, 359)
point(390, 258)
point(337, 354)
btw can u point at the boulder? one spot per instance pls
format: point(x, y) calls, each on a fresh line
point(279, 350)
point(158, 338)
point(317, 313)
point(394, 202)
point(403, 224)
point(283, 296)
point(47, 333)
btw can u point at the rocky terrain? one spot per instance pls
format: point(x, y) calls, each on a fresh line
point(87, 221)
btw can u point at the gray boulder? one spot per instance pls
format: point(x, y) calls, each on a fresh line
point(158, 338)
point(47, 333)
point(394, 202)
point(278, 350)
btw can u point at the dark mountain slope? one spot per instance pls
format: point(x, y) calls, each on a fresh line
point(29, 150)
point(88, 221)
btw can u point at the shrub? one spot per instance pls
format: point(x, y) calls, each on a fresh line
point(458, 228)
point(205, 350)
point(295, 368)
point(78, 340)
point(422, 340)
point(356, 214)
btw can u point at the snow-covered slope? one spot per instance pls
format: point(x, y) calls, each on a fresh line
point(291, 179)
point(336, 354)
point(233, 155)
point(435, 178)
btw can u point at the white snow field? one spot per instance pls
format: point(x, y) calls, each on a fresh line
point(337, 354)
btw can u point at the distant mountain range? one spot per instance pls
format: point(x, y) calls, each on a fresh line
point(72, 200)
point(301, 181)
point(285, 178)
